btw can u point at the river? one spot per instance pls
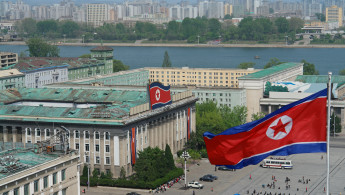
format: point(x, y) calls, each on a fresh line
point(325, 59)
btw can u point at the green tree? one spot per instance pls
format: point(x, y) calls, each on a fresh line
point(169, 158)
point(320, 17)
point(27, 26)
point(309, 68)
point(119, 66)
point(69, 28)
point(246, 65)
point(335, 123)
point(47, 26)
point(194, 155)
point(295, 24)
point(40, 48)
point(166, 60)
point(282, 24)
point(273, 62)
point(122, 173)
point(85, 56)
point(95, 173)
point(257, 116)
point(227, 17)
point(85, 170)
point(342, 72)
point(271, 10)
point(150, 165)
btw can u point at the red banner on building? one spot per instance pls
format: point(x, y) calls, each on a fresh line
point(133, 146)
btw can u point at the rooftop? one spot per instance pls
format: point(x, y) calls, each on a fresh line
point(10, 72)
point(17, 160)
point(33, 63)
point(213, 69)
point(269, 71)
point(320, 79)
point(102, 48)
point(69, 105)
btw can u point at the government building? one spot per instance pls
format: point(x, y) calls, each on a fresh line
point(99, 122)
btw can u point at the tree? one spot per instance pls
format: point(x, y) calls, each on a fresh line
point(95, 173)
point(320, 17)
point(40, 48)
point(271, 10)
point(85, 56)
point(227, 16)
point(85, 170)
point(122, 173)
point(166, 60)
point(169, 158)
point(69, 28)
point(335, 123)
point(27, 26)
point(119, 66)
point(296, 24)
point(257, 116)
point(309, 68)
point(282, 24)
point(246, 65)
point(273, 62)
point(151, 164)
point(47, 26)
point(342, 72)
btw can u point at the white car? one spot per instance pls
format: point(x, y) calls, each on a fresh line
point(195, 184)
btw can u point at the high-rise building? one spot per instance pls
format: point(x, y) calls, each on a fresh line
point(334, 14)
point(97, 14)
point(228, 9)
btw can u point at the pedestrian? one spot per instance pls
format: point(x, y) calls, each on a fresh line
point(84, 190)
point(211, 189)
point(215, 168)
point(321, 157)
point(193, 192)
point(250, 176)
point(306, 189)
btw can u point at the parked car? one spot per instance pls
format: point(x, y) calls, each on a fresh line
point(195, 184)
point(212, 176)
point(223, 168)
point(206, 178)
point(132, 193)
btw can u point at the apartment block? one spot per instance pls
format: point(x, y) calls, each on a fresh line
point(8, 59)
point(97, 14)
point(206, 77)
point(334, 14)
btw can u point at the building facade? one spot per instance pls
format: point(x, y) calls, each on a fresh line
point(97, 14)
point(39, 173)
point(207, 77)
point(11, 78)
point(99, 122)
point(334, 14)
point(8, 59)
point(37, 78)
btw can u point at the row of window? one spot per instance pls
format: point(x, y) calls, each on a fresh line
point(87, 147)
point(45, 184)
point(76, 133)
point(199, 73)
point(98, 160)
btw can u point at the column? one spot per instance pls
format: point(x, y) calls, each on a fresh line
point(14, 135)
point(5, 134)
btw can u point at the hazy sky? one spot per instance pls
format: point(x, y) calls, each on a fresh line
point(50, 2)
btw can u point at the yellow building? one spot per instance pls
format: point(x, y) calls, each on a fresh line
point(228, 9)
point(198, 76)
point(334, 14)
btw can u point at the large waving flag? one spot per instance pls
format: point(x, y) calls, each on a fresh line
point(159, 95)
point(299, 127)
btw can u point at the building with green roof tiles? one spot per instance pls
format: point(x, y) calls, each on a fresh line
point(255, 83)
point(99, 122)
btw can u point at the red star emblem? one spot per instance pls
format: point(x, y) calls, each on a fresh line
point(279, 127)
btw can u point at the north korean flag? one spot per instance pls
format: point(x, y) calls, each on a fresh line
point(299, 127)
point(159, 95)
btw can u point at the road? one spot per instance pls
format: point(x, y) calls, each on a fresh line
point(307, 166)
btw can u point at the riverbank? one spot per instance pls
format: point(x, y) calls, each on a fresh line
point(186, 45)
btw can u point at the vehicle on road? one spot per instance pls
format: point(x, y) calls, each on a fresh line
point(212, 176)
point(224, 168)
point(276, 163)
point(206, 178)
point(195, 184)
point(132, 193)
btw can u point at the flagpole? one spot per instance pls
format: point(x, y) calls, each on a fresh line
point(328, 125)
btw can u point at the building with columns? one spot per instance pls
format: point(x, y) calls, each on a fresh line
point(99, 122)
point(39, 173)
point(255, 83)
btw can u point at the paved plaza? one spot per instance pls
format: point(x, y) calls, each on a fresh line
point(311, 167)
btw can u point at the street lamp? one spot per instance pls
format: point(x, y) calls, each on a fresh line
point(286, 40)
point(83, 36)
point(88, 170)
point(64, 38)
point(185, 155)
point(198, 38)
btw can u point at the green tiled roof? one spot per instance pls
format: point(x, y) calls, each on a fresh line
point(102, 106)
point(320, 79)
point(266, 72)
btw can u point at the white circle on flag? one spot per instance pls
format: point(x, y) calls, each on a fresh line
point(279, 128)
point(158, 94)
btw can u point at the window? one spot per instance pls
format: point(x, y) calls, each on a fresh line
point(63, 174)
point(16, 191)
point(87, 135)
point(47, 133)
point(45, 182)
point(97, 147)
point(26, 189)
point(107, 171)
point(87, 147)
point(5, 193)
point(97, 160)
point(77, 146)
point(36, 185)
point(54, 178)
point(107, 135)
point(87, 159)
point(97, 135)
point(56, 193)
point(64, 191)
point(38, 132)
point(77, 134)
point(107, 160)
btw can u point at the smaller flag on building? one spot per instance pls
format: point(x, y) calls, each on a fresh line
point(188, 123)
point(299, 127)
point(133, 146)
point(159, 95)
